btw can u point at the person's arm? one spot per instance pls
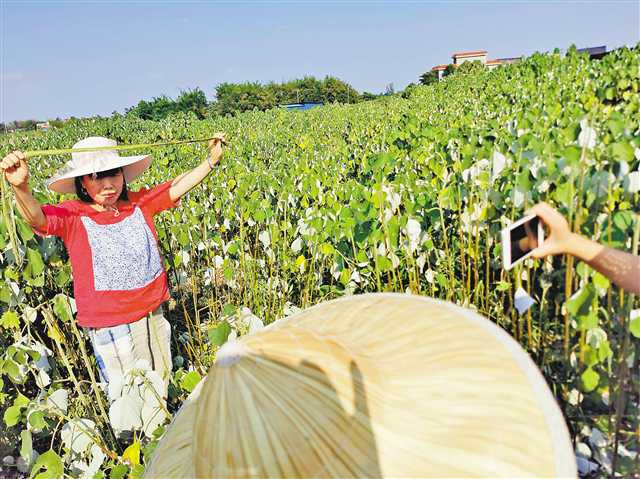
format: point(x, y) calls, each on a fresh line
point(15, 170)
point(186, 181)
point(623, 269)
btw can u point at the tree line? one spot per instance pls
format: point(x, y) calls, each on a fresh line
point(232, 98)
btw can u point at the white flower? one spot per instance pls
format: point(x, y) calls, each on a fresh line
point(518, 197)
point(633, 182)
point(265, 239)
point(296, 246)
point(587, 136)
point(393, 198)
point(498, 164)
point(429, 275)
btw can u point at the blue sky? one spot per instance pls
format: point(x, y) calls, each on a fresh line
point(63, 58)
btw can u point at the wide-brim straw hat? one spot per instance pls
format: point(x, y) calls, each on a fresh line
point(377, 385)
point(89, 162)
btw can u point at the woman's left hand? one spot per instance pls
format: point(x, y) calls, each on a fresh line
point(215, 147)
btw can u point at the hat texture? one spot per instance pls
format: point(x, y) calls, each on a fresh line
point(376, 385)
point(88, 162)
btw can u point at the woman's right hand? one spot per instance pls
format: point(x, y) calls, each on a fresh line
point(560, 237)
point(15, 169)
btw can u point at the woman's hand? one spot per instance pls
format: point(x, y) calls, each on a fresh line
point(215, 148)
point(186, 181)
point(560, 236)
point(15, 169)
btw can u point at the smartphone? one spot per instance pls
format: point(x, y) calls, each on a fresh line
point(519, 239)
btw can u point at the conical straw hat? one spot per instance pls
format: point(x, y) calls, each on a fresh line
point(378, 385)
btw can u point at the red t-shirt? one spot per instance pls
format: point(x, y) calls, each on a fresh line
point(118, 276)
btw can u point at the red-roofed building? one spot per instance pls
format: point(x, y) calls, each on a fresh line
point(475, 55)
point(440, 69)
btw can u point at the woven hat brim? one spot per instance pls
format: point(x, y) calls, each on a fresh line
point(64, 180)
point(447, 393)
point(172, 457)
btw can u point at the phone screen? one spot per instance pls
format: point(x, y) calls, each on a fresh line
point(524, 238)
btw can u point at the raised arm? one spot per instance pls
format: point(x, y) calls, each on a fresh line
point(186, 181)
point(623, 269)
point(15, 170)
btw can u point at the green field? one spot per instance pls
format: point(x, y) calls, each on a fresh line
point(405, 193)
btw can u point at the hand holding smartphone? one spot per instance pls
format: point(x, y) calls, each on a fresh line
point(519, 239)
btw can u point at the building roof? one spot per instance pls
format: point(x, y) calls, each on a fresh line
point(506, 59)
point(593, 50)
point(473, 53)
point(494, 62)
point(438, 68)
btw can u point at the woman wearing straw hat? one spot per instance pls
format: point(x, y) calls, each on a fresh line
point(119, 281)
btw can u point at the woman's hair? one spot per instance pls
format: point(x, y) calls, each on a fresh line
point(84, 196)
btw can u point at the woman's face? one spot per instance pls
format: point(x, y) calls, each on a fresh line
point(106, 190)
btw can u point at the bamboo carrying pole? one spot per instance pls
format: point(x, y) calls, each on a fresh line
point(376, 385)
point(64, 151)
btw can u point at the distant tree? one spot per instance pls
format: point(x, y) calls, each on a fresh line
point(156, 109)
point(57, 123)
point(192, 100)
point(450, 70)
point(25, 124)
point(406, 93)
point(389, 90)
point(470, 67)
point(334, 90)
point(366, 96)
point(427, 78)
point(234, 98)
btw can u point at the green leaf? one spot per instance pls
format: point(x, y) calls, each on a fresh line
point(220, 333)
point(580, 303)
point(634, 327)
point(229, 309)
point(588, 321)
point(26, 447)
point(564, 194)
point(623, 220)
point(190, 381)
point(622, 151)
point(10, 320)
point(62, 308)
point(52, 465)
point(136, 472)
point(24, 230)
point(36, 420)
point(590, 379)
point(21, 400)
point(132, 453)
point(601, 282)
point(118, 472)
point(326, 249)
point(604, 351)
point(383, 263)
point(12, 415)
point(35, 261)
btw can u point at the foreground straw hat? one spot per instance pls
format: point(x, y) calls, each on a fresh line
point(378, 385)
point(88, 162)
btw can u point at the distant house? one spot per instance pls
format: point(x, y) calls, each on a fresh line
point(509, 60)
point(301, 106)
point(595, 53)
point(473, 56)
point(43, 126)
point(439, 69)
